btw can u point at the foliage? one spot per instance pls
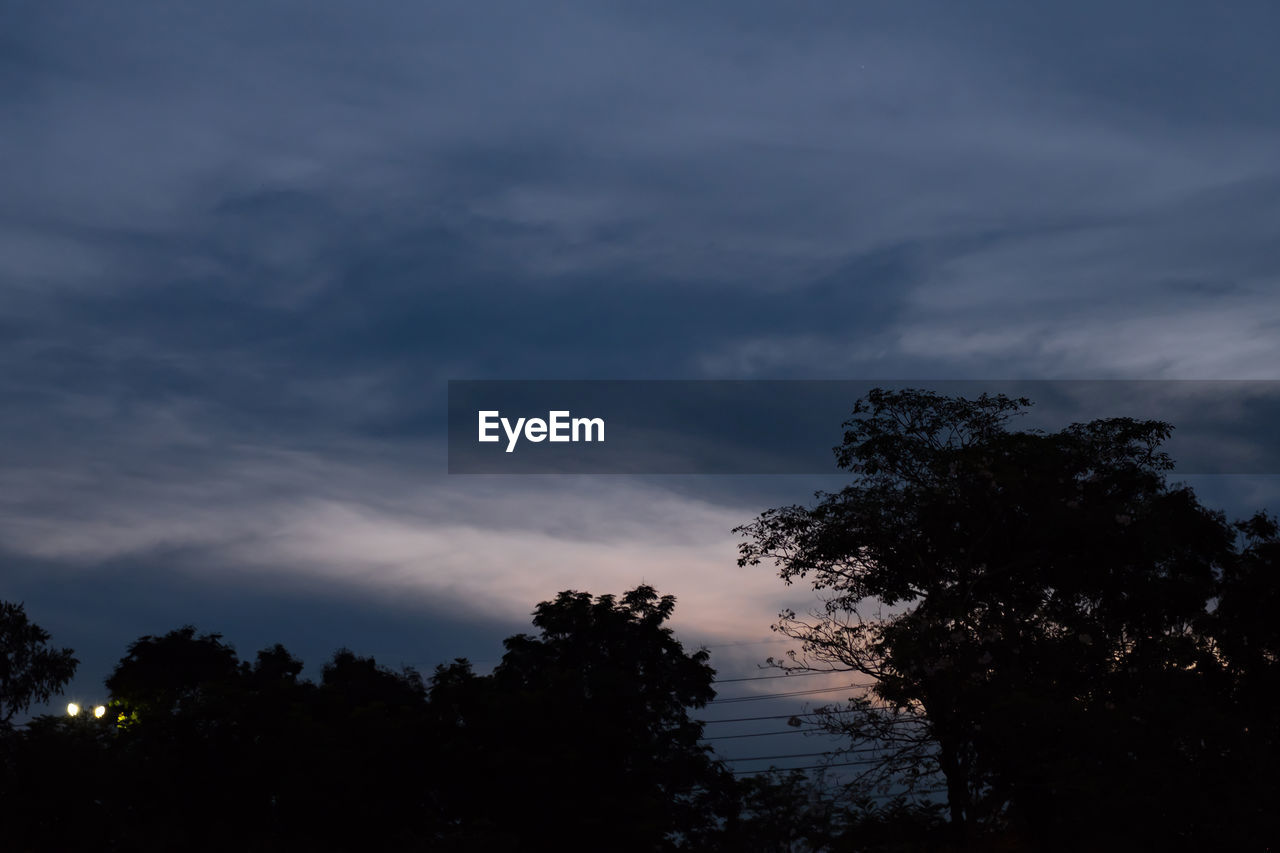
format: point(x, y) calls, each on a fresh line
point(1033, 606)
point(579, 740)
point(583, 731)
point(30, 670)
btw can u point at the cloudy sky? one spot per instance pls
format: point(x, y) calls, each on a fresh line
point(243, 247)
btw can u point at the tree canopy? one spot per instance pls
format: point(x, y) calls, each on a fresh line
point(1037, 609)
point(584, 731)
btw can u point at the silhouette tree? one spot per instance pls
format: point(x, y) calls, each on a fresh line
point(56, 781)
point(785, 814)
point(30, 670)
point(181, 751)
point(262, 754)
point(369, 767)
point(1246, 645)
point(173, 674)
point(1029, 604)
point(581, 738)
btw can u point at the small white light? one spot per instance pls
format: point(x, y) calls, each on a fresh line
point(99, 710)
point(73, 708)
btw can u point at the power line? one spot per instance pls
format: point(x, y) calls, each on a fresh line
point(824, 767)
point(768, 734)
point(774, 757)
point(787, 675)
point(750, 719)
point(761, 696)
point(864, 762)
point(896, 722)
point(835, 753)
point(715, 646)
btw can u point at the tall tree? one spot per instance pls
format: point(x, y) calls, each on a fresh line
point(1027, 602)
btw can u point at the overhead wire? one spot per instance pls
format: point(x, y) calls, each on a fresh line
point(896, 722)
point(796, 674)
point(818, 767)
point(752, 719)
point(793, 731)
point(761, 696)
point(833, 753)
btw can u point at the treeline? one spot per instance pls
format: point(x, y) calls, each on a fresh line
point(581, 739)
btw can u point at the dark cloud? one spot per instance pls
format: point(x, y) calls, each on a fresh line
point(243, 245)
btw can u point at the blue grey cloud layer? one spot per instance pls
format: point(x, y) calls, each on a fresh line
point(243, 245)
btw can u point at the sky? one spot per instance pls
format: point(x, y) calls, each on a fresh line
point(244, 246)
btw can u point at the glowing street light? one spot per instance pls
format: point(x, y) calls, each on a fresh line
point(99, 710)
point(73, 709)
